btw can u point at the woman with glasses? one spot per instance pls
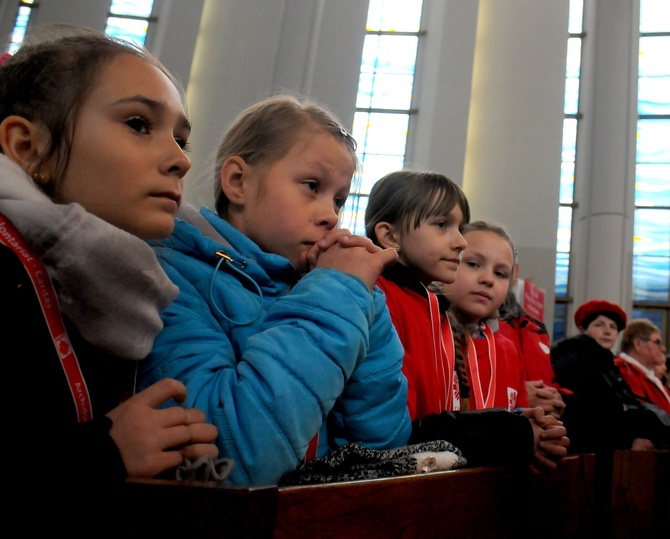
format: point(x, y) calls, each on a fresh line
point(642, 351)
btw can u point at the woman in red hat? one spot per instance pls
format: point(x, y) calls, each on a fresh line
point(603, 413)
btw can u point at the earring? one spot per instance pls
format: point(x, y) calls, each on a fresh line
point(396, 248)
point(39, 178)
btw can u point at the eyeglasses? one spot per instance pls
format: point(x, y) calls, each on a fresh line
point(657, 342)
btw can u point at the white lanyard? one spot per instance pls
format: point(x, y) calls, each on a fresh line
point(482, 402)
point(444, 355)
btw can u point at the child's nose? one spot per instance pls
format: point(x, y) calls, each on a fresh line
point(328, 216)
point(486, 277)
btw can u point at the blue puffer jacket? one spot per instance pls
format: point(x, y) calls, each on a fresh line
point(273, 361)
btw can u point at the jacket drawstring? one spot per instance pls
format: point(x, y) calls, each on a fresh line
point(223, 257)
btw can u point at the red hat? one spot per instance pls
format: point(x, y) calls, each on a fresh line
point(590, 310)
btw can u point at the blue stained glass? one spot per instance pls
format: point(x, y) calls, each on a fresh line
point(136, 8)
point(654, 16)
point(569, 139)
point(352, 215)
point(574, 57)
point(652, 141)
point(564, 233)
point(567, 187)
point(652, 185)
point(654, 59)
point(651, 246)
point(133, 30)
point(652, 232)
point(387, 72)
point(576, 17)
point(560, 317)
point(385, 91)
point(654, 95)
point(386, 83)
point(655, 315)
point(379, 133)
point(651, 279)
point(562, 267)
point(389, 54)
point(394, 15)
point(571, 103)
point(20, 27)
point(375, 166)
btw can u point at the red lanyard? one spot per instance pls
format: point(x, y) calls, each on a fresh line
point(444, 355)
point(482, 402)
point(46, 294)
point(312, 449)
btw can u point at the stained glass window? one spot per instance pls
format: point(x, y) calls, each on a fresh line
point(651, 243)
point(20, 25)
point(568, 157)
point(384, 101)
point(129, 20)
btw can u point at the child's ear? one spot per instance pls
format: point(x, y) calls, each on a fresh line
point(232, 179)
point(386, 235)
point(22, 141)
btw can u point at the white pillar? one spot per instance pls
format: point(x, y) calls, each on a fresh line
point(513, 157)
point(249, 49)
point(604, 180)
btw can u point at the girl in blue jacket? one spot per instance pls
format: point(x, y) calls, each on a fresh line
point(279, 332)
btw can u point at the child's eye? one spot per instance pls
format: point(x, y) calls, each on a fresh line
point(338, 202)
point(183, 144)
point(441, 224)
point(312, 185)
point(471, 264)
point(502, 275)
point(139, 124)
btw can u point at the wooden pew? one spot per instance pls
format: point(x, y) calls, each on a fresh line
point(640, 503)
point(167, 508)
point(478, 502)
point(625, 496)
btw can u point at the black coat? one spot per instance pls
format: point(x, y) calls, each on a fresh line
point(603, 414)
point(50, 444)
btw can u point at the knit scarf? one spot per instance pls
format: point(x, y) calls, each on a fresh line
point(109, 283)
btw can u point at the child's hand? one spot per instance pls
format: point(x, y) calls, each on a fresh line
point(550, 437)
point(341, 236)
point(546, 397)
point(642, 444)
point(352, 254)
point(153, 440)
point(347, 239)
point(362, 258)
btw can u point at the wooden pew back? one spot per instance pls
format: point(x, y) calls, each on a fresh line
point(626, 496)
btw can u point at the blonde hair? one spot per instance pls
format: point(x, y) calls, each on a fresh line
point(265, 132)
point(485, 226)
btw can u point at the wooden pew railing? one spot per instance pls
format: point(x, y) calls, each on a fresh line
point(626, 496)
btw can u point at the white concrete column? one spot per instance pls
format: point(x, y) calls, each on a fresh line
point(513, 156)
point(604, 180)
point(249, 49)
point(91, 13)
point(442, 87)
